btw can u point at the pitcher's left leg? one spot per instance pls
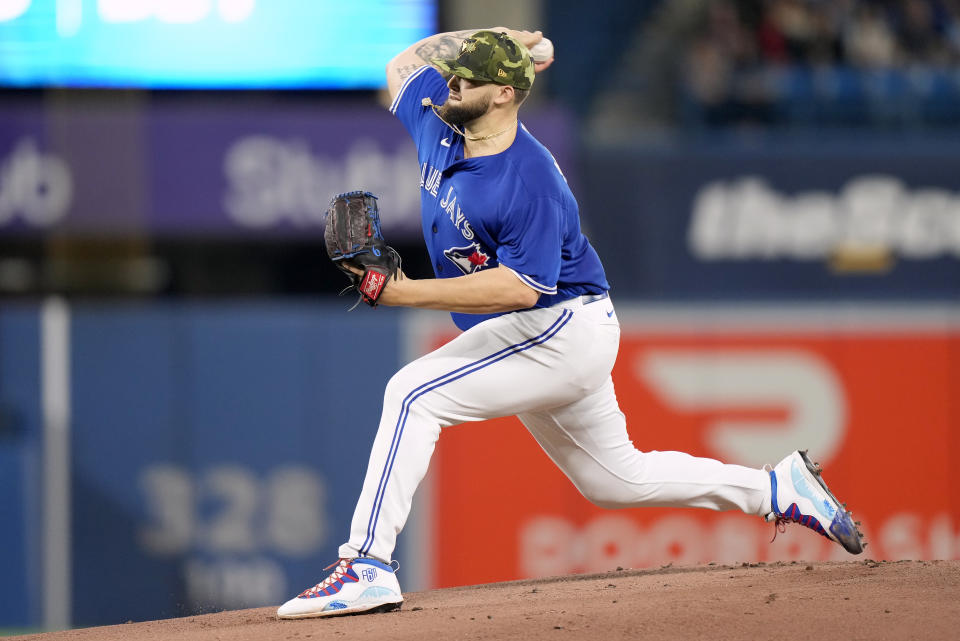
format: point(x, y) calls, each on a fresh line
point(484, 373)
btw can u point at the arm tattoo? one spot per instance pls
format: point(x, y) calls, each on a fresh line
point(445, 45)
point(405, 71)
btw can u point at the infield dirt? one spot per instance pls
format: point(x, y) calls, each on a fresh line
point(846, 601)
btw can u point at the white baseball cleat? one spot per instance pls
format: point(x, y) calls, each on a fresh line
point(799, 495)
point(355, 585)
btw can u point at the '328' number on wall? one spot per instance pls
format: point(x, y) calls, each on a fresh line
point(230, 509)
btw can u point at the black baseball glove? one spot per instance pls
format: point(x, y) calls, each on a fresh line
point(353, 239)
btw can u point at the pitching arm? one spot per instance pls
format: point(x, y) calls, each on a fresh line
point(444, 45)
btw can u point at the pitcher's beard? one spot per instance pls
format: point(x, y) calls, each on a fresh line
point(462, 114)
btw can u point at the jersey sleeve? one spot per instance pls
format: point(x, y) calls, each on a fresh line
point(425, 82)
point(530, 244)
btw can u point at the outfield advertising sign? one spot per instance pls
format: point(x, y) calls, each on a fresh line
point(254, 169)
point(869, 392)
point(873, 218)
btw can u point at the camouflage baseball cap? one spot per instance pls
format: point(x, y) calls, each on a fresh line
point(489, 56)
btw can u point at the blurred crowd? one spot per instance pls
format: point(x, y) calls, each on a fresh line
point(829, 61)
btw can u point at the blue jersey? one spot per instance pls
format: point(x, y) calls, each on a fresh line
point(513, 209)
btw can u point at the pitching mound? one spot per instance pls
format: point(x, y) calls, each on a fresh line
point(856, 600)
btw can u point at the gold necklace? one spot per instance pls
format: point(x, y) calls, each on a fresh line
point(428, 102)
point(488, 136)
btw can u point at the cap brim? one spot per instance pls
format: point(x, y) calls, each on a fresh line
point(457, 69)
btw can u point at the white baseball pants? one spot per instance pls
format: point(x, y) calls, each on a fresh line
point(550, 367)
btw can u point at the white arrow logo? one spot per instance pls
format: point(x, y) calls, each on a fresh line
point(798, 381)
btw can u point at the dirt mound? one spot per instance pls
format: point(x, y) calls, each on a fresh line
point(855, 600)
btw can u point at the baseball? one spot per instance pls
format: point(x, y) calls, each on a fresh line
point(542, 51)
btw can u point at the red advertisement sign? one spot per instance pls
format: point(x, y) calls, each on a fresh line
point(879, 408)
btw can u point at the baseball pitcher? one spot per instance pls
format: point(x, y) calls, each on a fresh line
point(540, 331)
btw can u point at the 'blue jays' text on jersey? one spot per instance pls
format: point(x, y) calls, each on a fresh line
point(512, 209)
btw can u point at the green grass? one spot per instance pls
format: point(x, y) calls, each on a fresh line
point(12, 632)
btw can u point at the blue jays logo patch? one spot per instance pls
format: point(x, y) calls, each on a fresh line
point(467, 259)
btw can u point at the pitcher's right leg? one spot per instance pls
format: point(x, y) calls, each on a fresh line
point(588, 441)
